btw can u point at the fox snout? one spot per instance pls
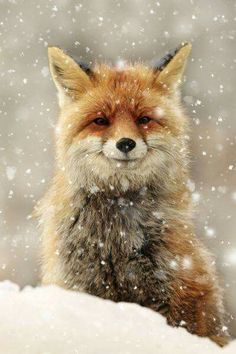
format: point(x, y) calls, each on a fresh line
point(125, 149)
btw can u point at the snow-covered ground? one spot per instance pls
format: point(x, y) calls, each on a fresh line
point(50, 320)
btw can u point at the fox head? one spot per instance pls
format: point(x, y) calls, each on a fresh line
point(120, 127)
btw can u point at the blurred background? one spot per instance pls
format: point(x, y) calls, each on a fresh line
point(111, 31)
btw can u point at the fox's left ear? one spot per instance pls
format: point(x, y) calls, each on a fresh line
point(72, 79)
point(170, 68)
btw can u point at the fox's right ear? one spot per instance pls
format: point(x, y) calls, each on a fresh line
point(71, 79)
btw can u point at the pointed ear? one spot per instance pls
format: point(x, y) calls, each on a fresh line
point(171, 67)
point(72, 79)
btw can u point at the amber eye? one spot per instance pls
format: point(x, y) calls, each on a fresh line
point(143, 120)
point(101, 121)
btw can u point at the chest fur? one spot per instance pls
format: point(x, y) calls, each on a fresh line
point(112, 245)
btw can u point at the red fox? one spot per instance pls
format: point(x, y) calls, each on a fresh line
point(117, 220)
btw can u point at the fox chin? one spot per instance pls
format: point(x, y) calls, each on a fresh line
point(117, 219)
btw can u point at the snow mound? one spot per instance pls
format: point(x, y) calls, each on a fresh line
point(51, 320)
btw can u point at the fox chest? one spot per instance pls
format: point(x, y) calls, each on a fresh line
point(112, 252)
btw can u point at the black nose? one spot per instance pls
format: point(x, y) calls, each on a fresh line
point(125, 144)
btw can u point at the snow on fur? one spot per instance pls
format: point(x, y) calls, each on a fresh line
point(50, 320)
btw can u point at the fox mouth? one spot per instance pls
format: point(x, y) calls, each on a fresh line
point(124, 163)
point(128, 159)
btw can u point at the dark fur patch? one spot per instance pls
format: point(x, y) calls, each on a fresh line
point(84, 66)
point(160, 64)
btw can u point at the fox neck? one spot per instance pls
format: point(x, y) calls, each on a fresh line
point(171, 199)
point(122, 220)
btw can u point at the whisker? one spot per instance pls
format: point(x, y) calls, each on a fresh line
point(79, 156)
point(174, 155)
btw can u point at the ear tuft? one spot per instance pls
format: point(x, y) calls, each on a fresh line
point(72, 79)
point(170, 68)
point(160, 64)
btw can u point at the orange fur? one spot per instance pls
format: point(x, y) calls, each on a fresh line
point(117, 221)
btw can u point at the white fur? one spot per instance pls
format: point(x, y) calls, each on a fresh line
point(90, 162)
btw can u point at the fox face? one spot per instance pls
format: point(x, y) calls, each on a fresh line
point(120, 128)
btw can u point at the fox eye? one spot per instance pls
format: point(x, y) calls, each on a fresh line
point(101, 121)
point(143, 120)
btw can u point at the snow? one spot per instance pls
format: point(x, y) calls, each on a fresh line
point(10, 172)
point(230, 257)
point(51, 320)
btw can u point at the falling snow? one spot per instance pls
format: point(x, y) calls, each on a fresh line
point(10, 172)
point(118, 32)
